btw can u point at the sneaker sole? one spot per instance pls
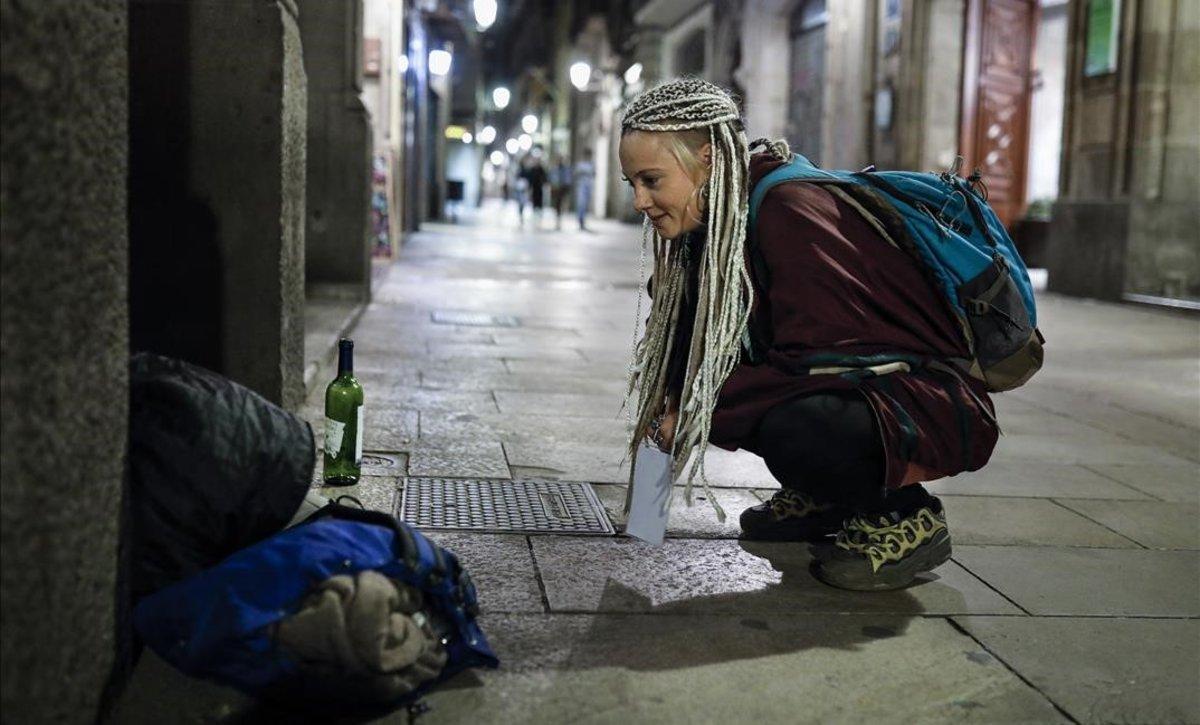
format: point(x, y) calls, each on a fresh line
point(891, 576)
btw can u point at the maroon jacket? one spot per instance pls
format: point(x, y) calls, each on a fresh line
point(836, 285)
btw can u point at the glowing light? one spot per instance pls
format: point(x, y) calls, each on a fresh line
point(500, 97)
point(525, 141)
point(512, 145)
point(633, 73)
point(402, 64)
point(580, 73)
point(467, 137)
point(485, 13)
point(455, 132)
point(498, 158)
point(530, 123)
point(487, 134)
point(439, 62)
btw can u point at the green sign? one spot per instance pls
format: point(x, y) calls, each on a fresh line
point(1103, 37)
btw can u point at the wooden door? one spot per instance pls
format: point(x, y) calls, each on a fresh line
point(998, 55)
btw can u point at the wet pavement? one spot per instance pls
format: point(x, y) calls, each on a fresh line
point(1074, 593)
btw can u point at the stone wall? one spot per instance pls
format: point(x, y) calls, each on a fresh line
point(63, 353)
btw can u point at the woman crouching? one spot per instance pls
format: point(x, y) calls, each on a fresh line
point(849, 451)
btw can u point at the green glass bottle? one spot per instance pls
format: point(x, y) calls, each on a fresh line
point(343, 422)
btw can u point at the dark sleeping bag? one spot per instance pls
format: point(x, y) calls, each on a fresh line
point(213, 468)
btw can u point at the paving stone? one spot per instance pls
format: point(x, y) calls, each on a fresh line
point(611, 371)
point(569, 461)
point(501, 567)
point(547, 383)
point(378, 493)
point(458, 459)
point(1156, 524)
point(434, 400)
point(1100, 450)
point(1076, 581)
point(444, 351)
point(735, 577)
point(373, 464)
point(1024, 522)
point(698, 520)
point(704, 669)
point(1165, 482)
point(1102, 669)
point(561, 404)
point(1034, 479)
point(389, 429)
point(738, 469)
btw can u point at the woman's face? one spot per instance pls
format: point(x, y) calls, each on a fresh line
point(663, 189)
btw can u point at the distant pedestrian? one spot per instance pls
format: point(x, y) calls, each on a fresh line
point(535, 176)
point(560, 186)
point(584, 177)
point(520, 188)
point(832, 356)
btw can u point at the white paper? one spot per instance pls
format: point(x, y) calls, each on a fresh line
point(650, 500)
point(334, 430)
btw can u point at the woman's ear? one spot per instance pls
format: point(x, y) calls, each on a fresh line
point(706, 154)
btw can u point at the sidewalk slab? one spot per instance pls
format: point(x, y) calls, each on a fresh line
point(1010, 521)
point(1154, 524)
point(736, 469)
point(378, 493)
point(1162, 481)
point(560, 404)
point(1034, 479)
point(734, 577)
point(1102, 670)
point(456, 458)
point(704, 669)
point(696, 521)
point(569, 461)
point(533, 429)
point(1102, 582)
point(501, 567)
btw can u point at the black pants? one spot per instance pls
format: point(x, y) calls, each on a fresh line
point(827, 445)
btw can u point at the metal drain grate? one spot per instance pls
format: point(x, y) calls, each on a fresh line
point(522, 506)
point(473, 319)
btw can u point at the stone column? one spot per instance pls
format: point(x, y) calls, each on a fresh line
point(249, 119)
point(63, 353)
point(1125, 222)
point(217, 136)
point(339, 150)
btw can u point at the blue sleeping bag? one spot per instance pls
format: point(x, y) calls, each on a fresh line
point(219, 624)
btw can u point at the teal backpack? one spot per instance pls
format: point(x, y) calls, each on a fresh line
point(944, 223)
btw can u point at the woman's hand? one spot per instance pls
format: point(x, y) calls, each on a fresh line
point(662, 430)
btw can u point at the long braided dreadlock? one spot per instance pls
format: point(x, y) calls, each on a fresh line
point(724, 292)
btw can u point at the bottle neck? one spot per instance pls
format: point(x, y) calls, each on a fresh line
point(345, 361)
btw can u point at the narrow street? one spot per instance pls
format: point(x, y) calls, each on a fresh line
point(1075, 567)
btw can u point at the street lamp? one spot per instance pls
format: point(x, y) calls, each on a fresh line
point(497, 158)
point(487, 134)
point(525, 141)
point(633, 73)
point(467, 137)
point(439, 62)
point(500, 97)
point(485, 13)
point(529, 124)
point(513, 146)
point(402, 63)
point(580, 73)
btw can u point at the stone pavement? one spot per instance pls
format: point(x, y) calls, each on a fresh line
point(1073, 596)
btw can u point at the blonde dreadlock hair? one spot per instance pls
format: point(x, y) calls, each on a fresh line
point(690, 106)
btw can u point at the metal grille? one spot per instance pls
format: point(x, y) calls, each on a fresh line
point(522, 506)
point(473, 319)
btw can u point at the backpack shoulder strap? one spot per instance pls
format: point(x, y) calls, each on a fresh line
point(798, 169)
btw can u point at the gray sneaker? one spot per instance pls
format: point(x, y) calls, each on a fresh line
point(886, 552)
